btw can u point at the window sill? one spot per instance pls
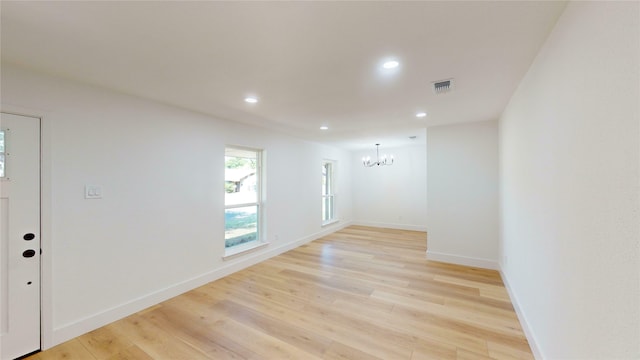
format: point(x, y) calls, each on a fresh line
point(241, 249)
point(330, 222)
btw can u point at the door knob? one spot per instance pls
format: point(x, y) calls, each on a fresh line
point(29, 253)
point(29, 236)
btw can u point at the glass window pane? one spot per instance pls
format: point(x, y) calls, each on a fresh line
point(2, 163)
point(325, 179)
point(327, 208)
point(240, 177)
point(240, 225)
point(241, 190)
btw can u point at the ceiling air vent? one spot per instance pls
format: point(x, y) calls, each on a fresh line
point(443, 86)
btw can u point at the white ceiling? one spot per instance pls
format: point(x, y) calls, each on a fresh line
point(310, 63)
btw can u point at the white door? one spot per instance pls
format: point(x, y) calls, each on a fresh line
point(19, 235)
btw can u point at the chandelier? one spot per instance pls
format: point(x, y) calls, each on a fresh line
point(366, 161)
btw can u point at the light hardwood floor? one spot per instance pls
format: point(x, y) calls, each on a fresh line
point(360, 293)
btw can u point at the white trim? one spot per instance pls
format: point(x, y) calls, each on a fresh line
point(235, 206)
point(391, 226)
point(242, 249)
point(330, 222)
point(89, 323)
point(528, 332)
point(463, 260)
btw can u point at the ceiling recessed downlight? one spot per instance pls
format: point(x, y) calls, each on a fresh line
point(391, 64)
point(324, 127)
point(421, 114)
point(251, 99)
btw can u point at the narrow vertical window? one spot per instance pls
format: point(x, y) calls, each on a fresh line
point(242, 186)
point(328, 192)
point(2, 153)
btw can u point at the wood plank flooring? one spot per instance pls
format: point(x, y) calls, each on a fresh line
point(359, 293)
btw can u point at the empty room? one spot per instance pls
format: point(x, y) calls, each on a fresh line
point(320, 180)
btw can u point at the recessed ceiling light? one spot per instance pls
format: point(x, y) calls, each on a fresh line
point(421, 114)
point(251, 99)
point(324, 127)
point(391, 64)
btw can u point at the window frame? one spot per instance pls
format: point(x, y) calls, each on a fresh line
point(259, 204)
point(3, 154)
point(330, 188)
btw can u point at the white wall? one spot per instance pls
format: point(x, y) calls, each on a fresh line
point(462, 162)
point(570, 148)
point(159, 229)
point(391, 196)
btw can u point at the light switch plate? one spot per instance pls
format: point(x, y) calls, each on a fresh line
point(93, 192)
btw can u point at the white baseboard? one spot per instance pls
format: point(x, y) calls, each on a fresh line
point(462, 260)
point(69, 331)
point(533, 343)
point(494, 265)
point(391, 225)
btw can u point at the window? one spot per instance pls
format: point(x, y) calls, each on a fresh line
point(242, 185)
point(328, 192)
point(2, 151)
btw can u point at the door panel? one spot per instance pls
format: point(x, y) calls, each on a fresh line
point(19, 235)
